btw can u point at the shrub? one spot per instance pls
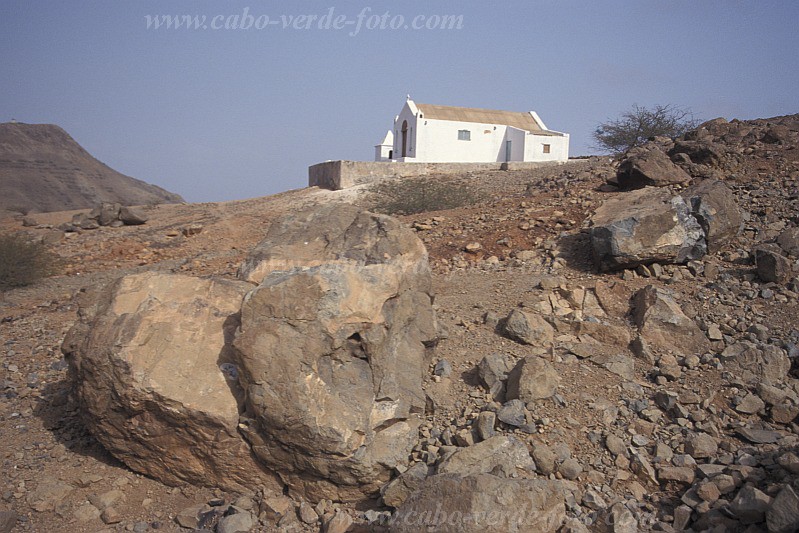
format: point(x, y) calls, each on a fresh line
point(411, 196)
point(23, 261)
point(638, 124)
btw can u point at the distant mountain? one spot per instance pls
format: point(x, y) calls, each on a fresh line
point(43, 169)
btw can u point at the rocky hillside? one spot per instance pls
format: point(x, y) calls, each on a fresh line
point(613, 348)
point(43, 169)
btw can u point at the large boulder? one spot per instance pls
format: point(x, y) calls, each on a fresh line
point(482, 504)
point(331, 349)
point(648, 165)
point(713, 204)
point(664, 326)
point(645, 226)
point(153, 373)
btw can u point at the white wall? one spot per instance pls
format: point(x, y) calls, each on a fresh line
point(534, 147)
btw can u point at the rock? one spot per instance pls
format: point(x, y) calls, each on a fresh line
point(682, 517)
point(191, 230)
point(663, 324)
point(29, 222)
point(443, 369)
point(493, 371)
point(533, 378)
point(618, 364)
point(48, 495)
point(701, 445)
point(788, 240)
point(512, 413)
point(239, 522)
point(132, 216)
point(110, 516)
point(701, 152)
point(772, 265)
point(680, 474)
point(106, 213)
point(570, 468)
point(713, 205)
point(8, 520)
point(500, 455)
point(783, 515)
point(644, 226)
point(485, 424)
point(160, 342)
point(615, 445)
point(544, 458)
point(750, 404)
point(398, 490)
point(492, 505)
point(622, 519)
point(528, 328)
point(189, 517)
point(331, 349)
point(759, 436)
point(647, 165)
point(275, 507)
point(86, 513)
point(307, 514)
point(107, 499)
point(750, 505)
point(338, 523)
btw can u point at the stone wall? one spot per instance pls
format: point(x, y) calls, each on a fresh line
point(337, 175)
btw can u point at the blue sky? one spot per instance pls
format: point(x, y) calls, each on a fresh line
point(226, 114)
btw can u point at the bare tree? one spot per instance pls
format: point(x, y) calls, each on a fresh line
point(637, 125)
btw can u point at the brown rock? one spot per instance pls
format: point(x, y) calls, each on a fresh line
point(160, 342)
point(664, 326)
point(647, 165)
point(331, 349)
point(533, 378)
point(645, 226)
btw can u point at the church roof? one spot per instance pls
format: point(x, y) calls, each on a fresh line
point(516, 119)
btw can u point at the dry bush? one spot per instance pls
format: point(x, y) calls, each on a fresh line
point(24, 261)
point(411, 196)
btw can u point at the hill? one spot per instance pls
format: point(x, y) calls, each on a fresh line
point(42, 168)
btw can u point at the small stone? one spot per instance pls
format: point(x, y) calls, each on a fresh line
point(544, 459)
point(307, 513)
point(473, 247)
point(512, 413)
point(485, 424)
point(680, 474)
point(750, 505)
point(8, 520)
point(714, 333)
point(682, 517)
point(708, 491)
point(443, 369)
point(750, 404)
point(240, 522)
point(111, 516)
point(570, 468)
point(339, 523)
point(189, 517)
point(615, 445)
point(594, 500)
point(759, 436)
point(86, 513)
point(701, 445)
point(783, 515)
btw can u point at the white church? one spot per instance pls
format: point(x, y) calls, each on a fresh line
point(426, 133)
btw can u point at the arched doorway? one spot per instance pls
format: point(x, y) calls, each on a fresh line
point(404, 138)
